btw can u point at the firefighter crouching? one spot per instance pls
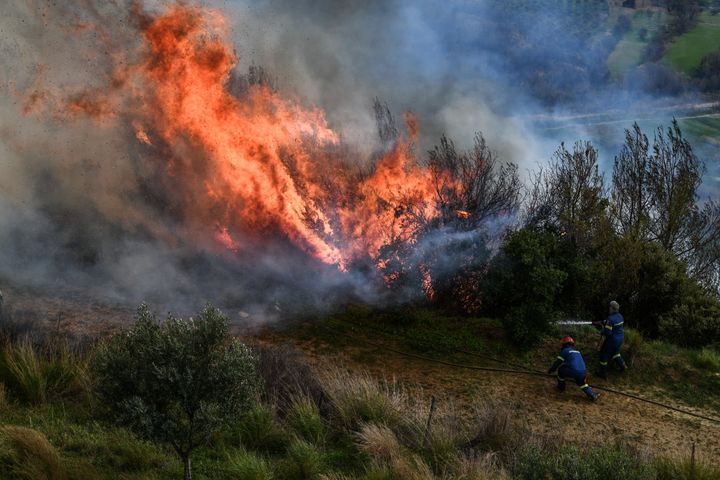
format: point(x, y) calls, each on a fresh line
point(613, 335)
point(570, 365)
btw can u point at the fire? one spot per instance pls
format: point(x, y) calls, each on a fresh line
point(257, 164)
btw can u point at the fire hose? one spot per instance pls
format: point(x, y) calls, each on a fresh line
point(524, 371)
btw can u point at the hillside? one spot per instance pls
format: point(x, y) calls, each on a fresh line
point(402, 347)
point(660, 372)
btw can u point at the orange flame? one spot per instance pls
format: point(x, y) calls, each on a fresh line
point(259, 159)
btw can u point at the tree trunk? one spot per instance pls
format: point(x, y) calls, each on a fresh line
point(188, 472)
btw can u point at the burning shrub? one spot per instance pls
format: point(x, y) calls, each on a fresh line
point(448, 256)
point(177, 381)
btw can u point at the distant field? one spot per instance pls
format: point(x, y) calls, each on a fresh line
point(629, 51)
point(705, 127)
point(686, 52)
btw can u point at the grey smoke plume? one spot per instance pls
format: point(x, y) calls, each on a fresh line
point(78, 194)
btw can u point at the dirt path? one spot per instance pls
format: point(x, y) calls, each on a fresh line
point(613, 418)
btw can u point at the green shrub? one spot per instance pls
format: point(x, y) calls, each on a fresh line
point(634, 340)
point(36, 374)
point(305, 420)
point(708, 359)
point(571, 463)
point(523, 283)
point(179, 381)
point(684, 469)
point(258, 430)
point(379, 472)
point(694, 321)
point(634, 344)
point(303, 461)
point(524, 323)
point(115, 449)
point(249, 466)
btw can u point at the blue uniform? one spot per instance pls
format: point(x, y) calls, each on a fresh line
point(613, 334)
point(570, 364)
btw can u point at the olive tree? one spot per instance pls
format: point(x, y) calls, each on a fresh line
point(176, 381)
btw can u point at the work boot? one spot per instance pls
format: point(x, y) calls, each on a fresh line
point(560, 386)
point(602, 372)
point(592, 396)
point(620, 363)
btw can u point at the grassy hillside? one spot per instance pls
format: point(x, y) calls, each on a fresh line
point(432, 333)
point(316, 418)
point(630, 49)
point(686, 51)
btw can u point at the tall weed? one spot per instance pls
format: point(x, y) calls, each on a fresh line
point(37, 374)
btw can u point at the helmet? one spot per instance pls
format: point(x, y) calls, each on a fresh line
point(567, 340)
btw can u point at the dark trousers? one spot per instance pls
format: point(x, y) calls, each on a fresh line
point(610, 351)
point(580, 379)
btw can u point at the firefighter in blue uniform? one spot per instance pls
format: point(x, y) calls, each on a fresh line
point(570, 364)
point(613, 336)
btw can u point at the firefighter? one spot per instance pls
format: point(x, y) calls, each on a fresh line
point(613, 334)
point(570, 364)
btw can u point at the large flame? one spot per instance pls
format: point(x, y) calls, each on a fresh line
point(263, 162)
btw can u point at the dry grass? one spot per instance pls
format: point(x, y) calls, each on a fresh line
point(360, 399)
point(482, 466)
point(29, 455)
point(379, 442)
point(411, 467)
point(491, 427)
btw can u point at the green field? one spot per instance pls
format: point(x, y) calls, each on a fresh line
point(629, 51)
point(686, 52)
point(703, 127)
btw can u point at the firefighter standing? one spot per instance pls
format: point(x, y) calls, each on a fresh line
point(613, 336)
point(570, 364)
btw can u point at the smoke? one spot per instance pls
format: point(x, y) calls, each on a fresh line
point(85, 200)
point(419, 56)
